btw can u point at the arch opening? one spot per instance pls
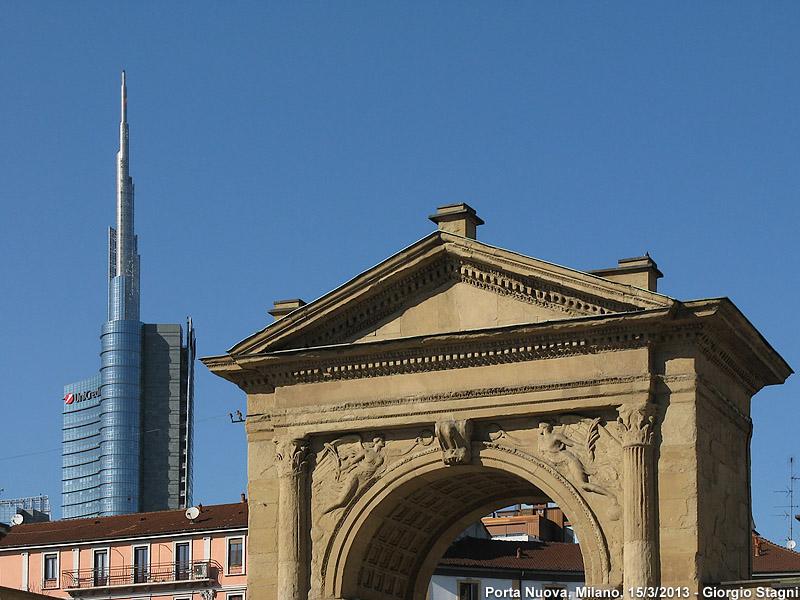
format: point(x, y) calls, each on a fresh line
point(394, 537)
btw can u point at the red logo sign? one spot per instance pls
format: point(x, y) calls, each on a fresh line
point(69, 398)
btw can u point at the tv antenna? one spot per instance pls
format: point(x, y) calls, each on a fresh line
point(789, 513)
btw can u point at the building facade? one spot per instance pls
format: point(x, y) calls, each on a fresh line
point(456, 378)
point(35, 507)
point(155, 556)
point(127, 434)
point(474, 569)
point(168, 556)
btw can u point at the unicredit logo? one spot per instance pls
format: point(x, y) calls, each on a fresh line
point(81, 396)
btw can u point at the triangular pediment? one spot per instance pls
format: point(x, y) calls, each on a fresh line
point(457, 306)
point(445, 284)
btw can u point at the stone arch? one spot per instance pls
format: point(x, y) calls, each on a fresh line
point(387, 544)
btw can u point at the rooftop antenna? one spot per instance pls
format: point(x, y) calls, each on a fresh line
point(789, 514)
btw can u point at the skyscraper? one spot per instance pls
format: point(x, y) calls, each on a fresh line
point(36, 508)
point(127, 443)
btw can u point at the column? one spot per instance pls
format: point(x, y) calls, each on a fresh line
point(291, 456)
point(640, 552)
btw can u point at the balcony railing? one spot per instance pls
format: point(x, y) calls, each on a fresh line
point(164, 573)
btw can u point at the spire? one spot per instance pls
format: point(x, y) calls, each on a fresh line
point(124, 112)
point(123, 255)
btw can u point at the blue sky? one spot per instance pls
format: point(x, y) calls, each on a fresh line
point(278, 149)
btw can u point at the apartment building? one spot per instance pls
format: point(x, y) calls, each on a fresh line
point(161, 555)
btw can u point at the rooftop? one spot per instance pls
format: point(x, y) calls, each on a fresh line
point(772, 558)
point(220, 516)
point(467, 552)
point(558, 556)
point(501, 554)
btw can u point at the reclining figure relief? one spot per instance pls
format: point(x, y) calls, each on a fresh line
point(353, 463)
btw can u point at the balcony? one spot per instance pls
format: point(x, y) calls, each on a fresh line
point(174, 575)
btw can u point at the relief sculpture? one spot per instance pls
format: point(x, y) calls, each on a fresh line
point(343, 469)
point(574, 445)
point(455, 439)
point(353, 463)
point(579, 458)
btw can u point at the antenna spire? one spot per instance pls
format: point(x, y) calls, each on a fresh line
point(123, 253)
point(124, 100)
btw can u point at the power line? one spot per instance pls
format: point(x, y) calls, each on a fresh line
point(59, 449)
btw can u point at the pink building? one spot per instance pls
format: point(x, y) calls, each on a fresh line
point(144, 556)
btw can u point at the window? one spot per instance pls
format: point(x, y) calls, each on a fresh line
point(469, 590)
point(182, 561)
point(100, 566)
point(140, 564)
point(50, 566)
point(237, 596)
point(235, 555)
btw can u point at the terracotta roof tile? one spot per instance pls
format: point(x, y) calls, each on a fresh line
point(549, 556)
point(220, 516)
point(775, 559)
point(555, 556)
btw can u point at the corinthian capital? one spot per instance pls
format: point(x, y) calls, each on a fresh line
point(636, 422)
point(291, 456)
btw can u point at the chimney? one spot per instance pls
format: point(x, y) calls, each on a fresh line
point(459, 219)
point(284, 307)
point(641, 271)
point(244, 498)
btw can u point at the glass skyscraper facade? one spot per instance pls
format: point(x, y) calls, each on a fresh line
point(127, 441)
point(37, 506)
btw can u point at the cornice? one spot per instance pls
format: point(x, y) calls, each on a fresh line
point(736, 347)
point(578, 282)
point(715, 327)
point(510, 344)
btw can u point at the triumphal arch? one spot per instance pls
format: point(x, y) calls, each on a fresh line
point(456, 378)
